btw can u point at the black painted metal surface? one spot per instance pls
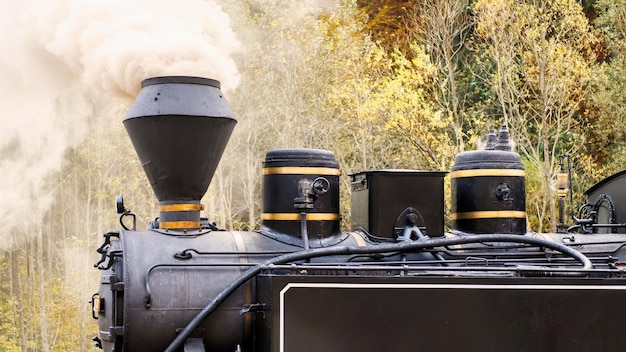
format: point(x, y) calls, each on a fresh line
point(372, 314)
point(283, 169)
point(379, 197)
point(159, 292)
point(179, 127)
point(488, 192)
point(614, 187)
point(349, 292)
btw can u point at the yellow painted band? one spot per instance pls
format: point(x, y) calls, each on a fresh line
point(496, 214)
point(296, 216)
point(358, 239)
point(296, 170)
point(179, 225)
point(181, 207)
point(487, 172)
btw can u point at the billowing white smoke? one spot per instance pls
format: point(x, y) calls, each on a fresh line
point(61, 59)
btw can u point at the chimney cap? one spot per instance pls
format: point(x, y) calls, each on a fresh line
point(181, 79)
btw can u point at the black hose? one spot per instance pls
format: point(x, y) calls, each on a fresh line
point(349, 250)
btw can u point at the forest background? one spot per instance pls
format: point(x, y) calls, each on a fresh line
point(382, 84)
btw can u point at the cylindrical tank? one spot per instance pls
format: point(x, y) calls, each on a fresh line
point(488, 191)
point(283, 171)
point(159, 282)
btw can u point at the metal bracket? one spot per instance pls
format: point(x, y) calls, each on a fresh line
point(117, 330)
point(116, 285)
point(98, 342)
point(124, 212)
point(255, 308)
point(411, 218)
point(104, 251)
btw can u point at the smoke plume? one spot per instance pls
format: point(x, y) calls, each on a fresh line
point(62, 59)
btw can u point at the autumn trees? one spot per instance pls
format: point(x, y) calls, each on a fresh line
point(541, 56)
point(604, 110)
point(415, 97)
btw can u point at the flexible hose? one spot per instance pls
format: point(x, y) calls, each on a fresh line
point(349, 250)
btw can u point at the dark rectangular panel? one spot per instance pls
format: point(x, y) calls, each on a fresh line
point(376, 314)
point(379, 197)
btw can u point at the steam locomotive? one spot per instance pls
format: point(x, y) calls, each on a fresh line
point(397, 281)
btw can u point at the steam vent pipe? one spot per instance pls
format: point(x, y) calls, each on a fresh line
point(180, 126)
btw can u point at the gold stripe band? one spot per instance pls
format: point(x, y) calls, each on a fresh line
point(181, 207)
point(296, 216)
point(496, 214)
point(358, 239)
point(180, 225)
point(487, 172)
point(296, 170)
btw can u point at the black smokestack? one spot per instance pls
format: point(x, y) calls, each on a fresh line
point(179, 127)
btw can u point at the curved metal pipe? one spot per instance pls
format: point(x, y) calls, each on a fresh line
point(349, 250)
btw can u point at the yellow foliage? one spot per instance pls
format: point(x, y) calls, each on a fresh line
point(541, 51)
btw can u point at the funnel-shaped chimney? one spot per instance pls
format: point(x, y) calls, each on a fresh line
point(179, 127)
